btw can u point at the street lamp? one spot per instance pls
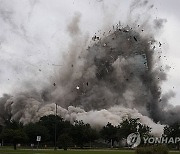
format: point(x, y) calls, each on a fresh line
point(55, 129)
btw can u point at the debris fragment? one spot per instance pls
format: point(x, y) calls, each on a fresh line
point(160, 44)
point(105, 44)
point(94, 38)
point(126, 30)
point(135, 38)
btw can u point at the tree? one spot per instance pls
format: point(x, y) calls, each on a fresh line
point(14, 136)
point(35, 129)
point(49, 122)
point(64, 141)
point(131, 125)
point(82, 133)
point(13, 133)
point(109, 133)
point(172, 131)
point(61, 126)
point(1, 128)
point(92, 135)
point(12, 124)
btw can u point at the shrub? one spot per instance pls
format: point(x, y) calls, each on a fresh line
point(160, 149)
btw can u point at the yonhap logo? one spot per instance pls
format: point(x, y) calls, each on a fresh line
point(133, 140)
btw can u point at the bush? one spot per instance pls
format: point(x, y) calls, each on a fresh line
point(152, 150)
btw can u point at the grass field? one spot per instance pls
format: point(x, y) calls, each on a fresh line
point(4, 151)
point(65, 152)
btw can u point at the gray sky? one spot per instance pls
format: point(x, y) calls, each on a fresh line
point(33, 37)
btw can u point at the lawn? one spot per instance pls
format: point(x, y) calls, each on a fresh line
point(4, 151)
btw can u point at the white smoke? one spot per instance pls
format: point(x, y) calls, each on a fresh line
point(96, 118)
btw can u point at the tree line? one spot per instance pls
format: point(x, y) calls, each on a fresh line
point(56, 131)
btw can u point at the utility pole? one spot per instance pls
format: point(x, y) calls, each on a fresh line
point(111, 143)
point(55, 130)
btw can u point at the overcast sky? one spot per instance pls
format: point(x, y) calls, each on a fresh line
point(33, 37)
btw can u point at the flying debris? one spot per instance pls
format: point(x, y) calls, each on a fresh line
point(105, 44)
point(56, 65)
point(125, 30)
point(94, 38)
point(160, 44)
point(135, 38)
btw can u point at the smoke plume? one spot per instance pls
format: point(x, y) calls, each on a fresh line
point(118, 74)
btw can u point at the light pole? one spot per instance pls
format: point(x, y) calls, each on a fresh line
point(55, 129)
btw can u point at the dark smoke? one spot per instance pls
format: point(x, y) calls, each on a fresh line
point(158, 23)
point(119, 72)
point(138, 4)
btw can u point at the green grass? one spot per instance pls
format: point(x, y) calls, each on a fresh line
point(3, 151)
point(10, 151)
